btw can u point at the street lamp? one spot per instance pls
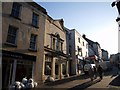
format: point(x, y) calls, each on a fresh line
point(117, 3)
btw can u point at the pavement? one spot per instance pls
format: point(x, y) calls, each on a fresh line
point(110, 81)
point(66, 84)
point(105, 83)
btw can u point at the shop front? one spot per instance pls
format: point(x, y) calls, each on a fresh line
point(16, 66)
point(56, 64)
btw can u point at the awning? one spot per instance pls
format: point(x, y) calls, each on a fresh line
point(94, 57)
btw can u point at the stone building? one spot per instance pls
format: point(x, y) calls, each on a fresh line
point(34, 44)
point(23, 26)
point(78, 50)
point(55, 56)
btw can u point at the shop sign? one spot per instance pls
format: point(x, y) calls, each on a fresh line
point(18, 55)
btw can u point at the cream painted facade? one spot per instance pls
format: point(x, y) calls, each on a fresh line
point(94, 48)
point(97, 49)
point(19, 60)
point(78, 51)
point(55, 56)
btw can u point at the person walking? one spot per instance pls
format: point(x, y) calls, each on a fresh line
point(95, 72)
point(91, 73)
point(100, 72)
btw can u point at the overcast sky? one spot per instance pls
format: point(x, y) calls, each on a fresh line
point(95, 19)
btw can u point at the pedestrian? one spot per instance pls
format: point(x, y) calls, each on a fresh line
point(100, 72)
point(95, 72)
point(91, 73)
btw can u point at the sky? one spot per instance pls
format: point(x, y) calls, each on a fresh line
point(97, 20)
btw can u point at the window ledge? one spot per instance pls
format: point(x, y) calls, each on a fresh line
point(33, 50)
point(10, 44)
point(15, 17)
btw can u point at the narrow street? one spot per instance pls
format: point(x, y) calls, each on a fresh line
point(60, 45)
point(111, 80)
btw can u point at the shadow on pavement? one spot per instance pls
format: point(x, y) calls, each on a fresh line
point(62, 81)
point(85, 85)
point(115, 82)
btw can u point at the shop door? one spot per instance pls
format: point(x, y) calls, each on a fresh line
point(7, 69)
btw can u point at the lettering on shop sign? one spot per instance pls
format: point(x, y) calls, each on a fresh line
point(18, 55)
point(11, 55)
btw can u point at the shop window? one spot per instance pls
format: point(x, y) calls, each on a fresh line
point(12, 33)
point(48, 65)
point(56, 69)
point(23, 69)
point(47, 68)
point(64, 69)
point(16, 10)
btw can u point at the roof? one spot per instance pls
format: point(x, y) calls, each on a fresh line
point(34, 4)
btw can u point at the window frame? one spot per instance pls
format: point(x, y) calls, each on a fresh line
point(33, 42)
point(53, 44)
point(83, 43)
point(8, 41)
point(61, 46)
point(15, 12)
point(35, 20)
point(57, 42)
point(78, 39)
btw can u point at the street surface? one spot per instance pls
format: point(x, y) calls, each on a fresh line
point(110, 81)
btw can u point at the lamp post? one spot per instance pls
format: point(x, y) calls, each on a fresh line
point(117, 4)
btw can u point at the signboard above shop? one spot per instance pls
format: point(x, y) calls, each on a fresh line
point(94, 57)
point(18, 55)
